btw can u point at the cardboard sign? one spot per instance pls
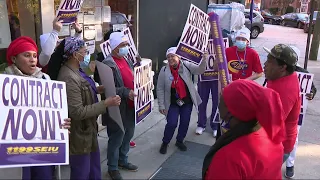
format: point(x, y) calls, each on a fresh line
point(143, 89)
point(195, 35)
point(32, 111)
point(68, 10)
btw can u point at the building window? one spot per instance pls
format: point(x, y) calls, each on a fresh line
point(18, 18)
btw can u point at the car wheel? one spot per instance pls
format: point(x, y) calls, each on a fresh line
point(299, 26)
point(283, 23)
point(255, 31)
point(270, 21)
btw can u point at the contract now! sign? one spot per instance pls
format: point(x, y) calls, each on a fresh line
point(32, 111)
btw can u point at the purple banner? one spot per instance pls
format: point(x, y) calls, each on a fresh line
point(189, 54)
point(31, 154)
point(143, 113)
point(209, 76)
point(68, 10)
point(219, 49)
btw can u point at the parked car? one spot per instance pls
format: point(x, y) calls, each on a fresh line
point(297, 20)
point(257, 26)
point(270, 18)
point(118, 18)
point(306, 27)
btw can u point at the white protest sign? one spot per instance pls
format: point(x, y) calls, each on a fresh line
point(106, 49)
point(91, 45)
point(212, 72)
point(195, 35)
point(305, 81)
point(143, 85)
point(68, 10)
point(32, 111)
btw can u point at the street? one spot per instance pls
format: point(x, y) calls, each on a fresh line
point(148, 134)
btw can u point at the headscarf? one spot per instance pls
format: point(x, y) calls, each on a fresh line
point(246, 100)
point(20, 45)
point(72, 44)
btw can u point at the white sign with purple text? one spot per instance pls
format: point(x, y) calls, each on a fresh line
point(32, 111)
point(305, 81)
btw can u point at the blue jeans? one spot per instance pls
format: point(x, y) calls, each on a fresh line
point(285, 157)
point(172, 121)
point(119, 142)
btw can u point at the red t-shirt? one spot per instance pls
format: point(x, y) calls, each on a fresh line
point(252, 156)
point(245, 68)
point(289, 91)
point(127, 76)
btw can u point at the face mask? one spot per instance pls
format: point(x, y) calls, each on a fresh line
point(123, 51)
point(85, 62)
point(241, 44)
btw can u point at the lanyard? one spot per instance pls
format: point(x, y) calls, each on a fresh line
point(242, 63)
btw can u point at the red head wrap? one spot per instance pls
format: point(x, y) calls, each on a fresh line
point(20, 45)
point(247, 100)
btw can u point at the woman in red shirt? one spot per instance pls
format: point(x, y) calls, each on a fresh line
point(252, 148)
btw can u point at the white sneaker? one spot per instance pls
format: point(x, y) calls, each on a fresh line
point(199, 130)
point(215, 133)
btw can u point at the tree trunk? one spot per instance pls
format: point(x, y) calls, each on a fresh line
point(315, 40)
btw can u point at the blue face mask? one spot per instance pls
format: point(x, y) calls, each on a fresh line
point(241, 44)
point(85, 62)
point(123, 51)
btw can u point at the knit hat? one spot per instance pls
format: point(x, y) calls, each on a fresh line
point(244, 32)
point(171, 50)
point(20, 45)
point(284, 53)
point(116, 38)
point(247, 100)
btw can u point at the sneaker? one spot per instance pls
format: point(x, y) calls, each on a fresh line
point(215, 133)
point(129, 167)
point(181, 146)
point(163, 149)
point(115, 175)
point(132, 144)
point(199, 130)
point(289, 172)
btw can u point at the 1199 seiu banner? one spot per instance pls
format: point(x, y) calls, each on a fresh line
point(32, 111)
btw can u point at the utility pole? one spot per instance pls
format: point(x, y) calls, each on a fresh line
point(316, 37)
point(306, 59)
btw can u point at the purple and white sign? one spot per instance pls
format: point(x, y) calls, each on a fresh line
point(212, 72)
point(143, 85)
point(195, 35)
point(219, 49)
point(68, 10)
point(106, 49)
point(32, 112)
point(305, 81)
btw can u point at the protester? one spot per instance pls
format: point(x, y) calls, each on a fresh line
point(204, 89)
point(83, 108)
point(177, 95)
point(100, 58)
point(279, 70)
point(22, 59)
point(243, 62)
point(290, 161)
point(50, 41)
point(119, 141)
point(252, 148)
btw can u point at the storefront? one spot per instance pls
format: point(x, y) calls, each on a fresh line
point(34, 17)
